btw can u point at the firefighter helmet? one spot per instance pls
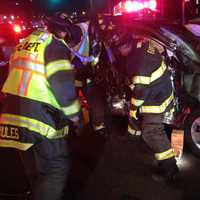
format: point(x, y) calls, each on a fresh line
point(119, 38)
point(60, 21)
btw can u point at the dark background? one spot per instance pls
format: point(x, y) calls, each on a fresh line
point(99, 5)
point(170, 9)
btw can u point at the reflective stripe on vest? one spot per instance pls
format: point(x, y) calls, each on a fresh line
point(157, 109)
point(27, 67)
point(56, 66)
point(27, 77)
point(28, 64)
point(33, 125)
point(136, 102)
point(146, 80)
point(33, 86)
point(24, 83)
point(72, 109)
point(15, 144)
point(165, 155)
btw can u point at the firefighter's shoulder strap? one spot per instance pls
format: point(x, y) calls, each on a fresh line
point(77, 53)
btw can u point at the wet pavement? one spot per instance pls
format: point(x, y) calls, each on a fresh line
point(117, 167)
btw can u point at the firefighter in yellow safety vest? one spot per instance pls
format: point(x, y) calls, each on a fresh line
point(40, 105)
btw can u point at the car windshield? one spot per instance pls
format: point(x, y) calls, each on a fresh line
point(171, 35)
point(187, 42)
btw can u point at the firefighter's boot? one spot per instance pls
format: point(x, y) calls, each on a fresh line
point(100, 130)
point(167, 171)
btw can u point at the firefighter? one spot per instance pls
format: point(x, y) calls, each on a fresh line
point(41, 104)
point(151, 98)
point(94, 71)
point(89, 56)
point(86, 51)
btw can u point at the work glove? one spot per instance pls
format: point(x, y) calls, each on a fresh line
point(77, 125)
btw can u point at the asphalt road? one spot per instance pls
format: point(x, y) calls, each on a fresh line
point(117, 167)
point(120, 167)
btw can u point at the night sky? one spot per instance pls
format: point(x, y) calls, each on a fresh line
point(46, 6)
point(32, 7)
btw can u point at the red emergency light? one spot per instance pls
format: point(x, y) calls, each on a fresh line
point(134, 6)
point(17, 28)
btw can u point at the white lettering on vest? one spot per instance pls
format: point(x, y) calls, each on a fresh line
point(9, 132)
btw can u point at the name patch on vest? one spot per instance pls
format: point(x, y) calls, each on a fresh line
point(9, 132)
point(29, 46)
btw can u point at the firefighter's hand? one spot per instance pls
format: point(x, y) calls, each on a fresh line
point(77, 125)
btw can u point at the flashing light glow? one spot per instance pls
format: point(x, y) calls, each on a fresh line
point(152, 4)
point(21, 39)
point(17, 28)
point(184, 163)
point(134, 6)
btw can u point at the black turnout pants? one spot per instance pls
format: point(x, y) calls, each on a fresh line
point(52, 166)
point(96, 103)
point(154, 134)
